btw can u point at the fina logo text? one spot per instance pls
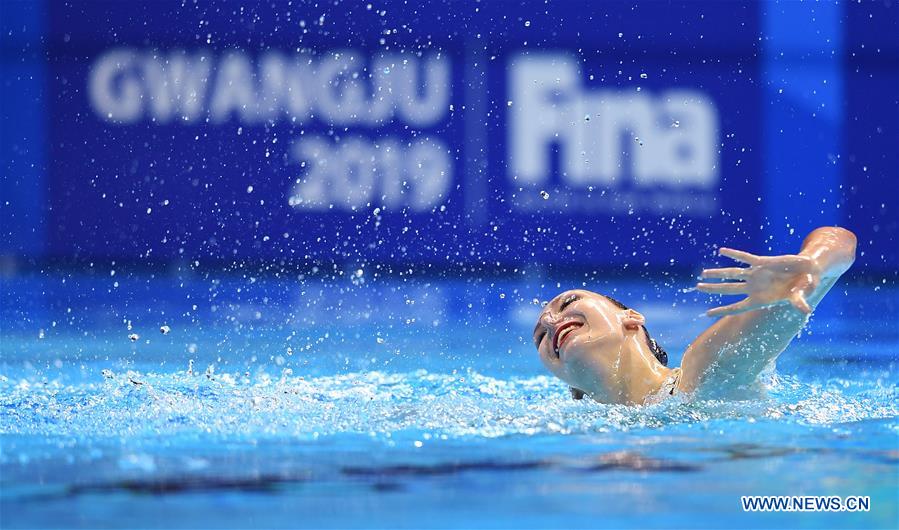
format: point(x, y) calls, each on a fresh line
point(623, 139)
point(338, 90)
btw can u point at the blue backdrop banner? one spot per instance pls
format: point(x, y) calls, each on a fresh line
point(455, 133)
point(384, 134)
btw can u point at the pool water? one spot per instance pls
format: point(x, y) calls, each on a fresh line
point(287, 401)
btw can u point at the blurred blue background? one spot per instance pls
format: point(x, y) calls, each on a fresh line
point(452, 135)
point(277, 265)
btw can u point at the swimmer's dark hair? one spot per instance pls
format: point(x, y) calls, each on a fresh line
point(660, 354)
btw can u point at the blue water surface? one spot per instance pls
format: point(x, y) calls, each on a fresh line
point(218, 400)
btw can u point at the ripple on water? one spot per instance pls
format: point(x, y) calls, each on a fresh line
point(134, 404)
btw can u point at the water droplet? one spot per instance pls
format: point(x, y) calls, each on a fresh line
point(165, 330)
point(133, 337)
point(544, 194)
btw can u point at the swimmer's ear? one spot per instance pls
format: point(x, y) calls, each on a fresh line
point(576, 393)
point(632, 320)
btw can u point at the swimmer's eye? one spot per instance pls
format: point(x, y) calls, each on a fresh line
point(568, 301)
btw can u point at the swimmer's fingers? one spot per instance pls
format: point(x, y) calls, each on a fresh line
point(723, 288)
point(788, 261)
point(740, 307)
point(739, 255)
point(726, 273)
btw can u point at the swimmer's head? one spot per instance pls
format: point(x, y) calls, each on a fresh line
point(595, 343)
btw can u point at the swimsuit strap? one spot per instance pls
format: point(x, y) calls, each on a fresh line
point(675, 377)
point(667, 388)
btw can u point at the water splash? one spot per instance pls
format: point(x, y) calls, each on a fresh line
point(469, 404)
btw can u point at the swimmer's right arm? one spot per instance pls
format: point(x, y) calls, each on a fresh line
point(781, 291)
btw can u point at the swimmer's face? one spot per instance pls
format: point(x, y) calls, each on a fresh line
point(579, 336)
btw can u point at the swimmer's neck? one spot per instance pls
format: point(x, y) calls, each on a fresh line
point(632, 377)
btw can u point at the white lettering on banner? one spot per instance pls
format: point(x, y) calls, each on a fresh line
point(234, 92)
point(177, 87)
point(355, 172)
point(115, 95)
point(341, 87)
point(672, 138)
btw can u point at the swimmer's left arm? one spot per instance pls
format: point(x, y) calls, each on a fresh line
point(780, 293)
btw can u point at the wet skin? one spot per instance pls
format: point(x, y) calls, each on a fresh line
point(590, 343)
point(600, 349)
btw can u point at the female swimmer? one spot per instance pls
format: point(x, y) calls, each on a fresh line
point(601, 348)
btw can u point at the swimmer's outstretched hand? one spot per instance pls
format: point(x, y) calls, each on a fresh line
point(768, 281)
point(780, 291)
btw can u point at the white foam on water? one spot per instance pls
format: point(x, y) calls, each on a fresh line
point(468, 404)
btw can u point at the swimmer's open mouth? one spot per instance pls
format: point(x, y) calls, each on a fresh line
point(562, 334)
